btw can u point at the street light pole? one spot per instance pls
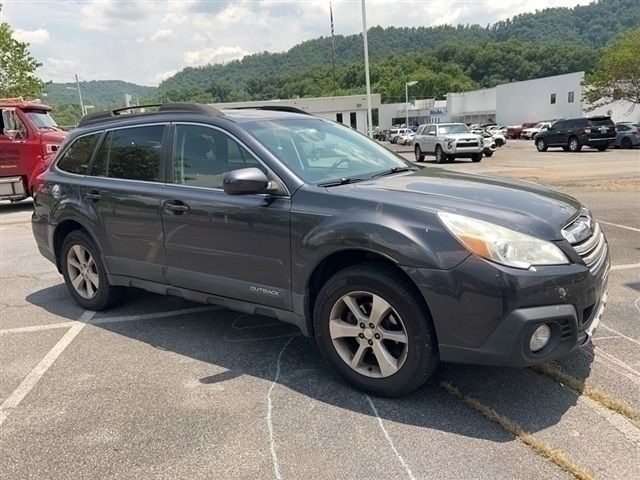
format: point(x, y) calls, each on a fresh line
point(82, 109)
point(366, 69)
point(406, 98)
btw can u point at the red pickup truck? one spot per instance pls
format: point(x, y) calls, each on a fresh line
point(29, 138)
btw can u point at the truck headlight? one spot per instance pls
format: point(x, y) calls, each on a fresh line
point(501, 245)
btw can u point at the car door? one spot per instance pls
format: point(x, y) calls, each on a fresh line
point(555, 134)
point(122, 193)
point(236, 246)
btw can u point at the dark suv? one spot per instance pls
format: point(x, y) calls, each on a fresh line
point(574, 133)
point(390, 266)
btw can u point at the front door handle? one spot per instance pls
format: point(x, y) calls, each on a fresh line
point(175, 207)
point(93, 195)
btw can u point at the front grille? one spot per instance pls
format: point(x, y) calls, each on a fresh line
point(467, 144)
point(593, 250)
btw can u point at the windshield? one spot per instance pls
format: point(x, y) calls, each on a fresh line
point(454, 128)
point(320, 151)
point(41, 120)
point(539, 125)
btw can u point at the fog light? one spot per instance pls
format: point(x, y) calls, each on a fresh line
point(540, 338)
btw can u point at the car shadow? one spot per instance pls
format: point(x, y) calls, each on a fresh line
point(21, 206)
point(245, 344)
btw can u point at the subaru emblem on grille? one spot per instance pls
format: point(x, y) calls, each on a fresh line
point(579, 229)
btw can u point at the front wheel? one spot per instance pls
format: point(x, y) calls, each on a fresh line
point(440, 155)
point(373, 329)
point(541, 145)
point(418, 153)
point(488, 154)
point(84, 273)
point(476, 157)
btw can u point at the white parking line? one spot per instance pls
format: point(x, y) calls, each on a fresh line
point(391, 444)
point(272, 440)
point(34, 376)
point(37, 328)
point(633, 229)
point(626, 266)
point(602, 325)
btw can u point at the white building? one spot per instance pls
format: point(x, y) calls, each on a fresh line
point(350, 109)
point(478, 106)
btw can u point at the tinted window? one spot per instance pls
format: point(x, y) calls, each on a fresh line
point(560, 125)
point(622, 128)
point(131, 153)
point(77, 157)
point(598, 122)
point(203, 155)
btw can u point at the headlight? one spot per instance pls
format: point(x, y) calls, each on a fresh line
point(449, 140)
point(500, 244)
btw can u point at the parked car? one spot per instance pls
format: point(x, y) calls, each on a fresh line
point(574, 133)
point(394, 137)
point(407, 138)
point(284, 214)
point(628, 135)
point(499, 138)
point(514, 131)
point(29, 138)
point(532, 132)
point(447, 141)
point(498, 129)
point(489, 144)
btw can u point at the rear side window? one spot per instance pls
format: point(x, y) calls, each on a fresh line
point(78, 156)
point(131, 154)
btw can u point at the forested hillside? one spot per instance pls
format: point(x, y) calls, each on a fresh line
point(99, 93)
point(445, 58)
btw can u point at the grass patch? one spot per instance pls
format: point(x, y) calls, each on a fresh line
point(556, 456)
point(593, 393)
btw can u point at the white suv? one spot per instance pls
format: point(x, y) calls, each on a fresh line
point(447, 141)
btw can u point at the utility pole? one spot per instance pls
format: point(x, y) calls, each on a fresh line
point(82, 109)
point(366, 68)
point(333, 51)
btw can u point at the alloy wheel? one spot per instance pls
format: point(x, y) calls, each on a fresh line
point(368, 334)
point(83, 272)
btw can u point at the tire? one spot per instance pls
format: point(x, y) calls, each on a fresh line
point(440, 155)
point(603, 148)
point(626, 143)
point(499, 142)
point(574, 145)
point(541, 145)
point(366, 284)
point(565, 148)
point(476, 157)
point(78, 247)
point(418, 153)
point(488, 154)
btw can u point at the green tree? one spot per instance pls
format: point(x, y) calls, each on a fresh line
point(17, 67)
point(617, 75)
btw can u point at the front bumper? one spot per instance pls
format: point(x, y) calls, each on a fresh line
point(454, 149)
point(485, 313)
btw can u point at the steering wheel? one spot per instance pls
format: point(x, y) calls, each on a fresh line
point(337, 163)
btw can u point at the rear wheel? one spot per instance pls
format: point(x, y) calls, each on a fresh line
point(476, 157)
point(373, 330)
point(84, 273)
point(574, 145)
point(440, 156)
point(541, 145)
point(626, 143)
point(488, 154)
point(602, 148)
point(499, 142)
point(418, 153)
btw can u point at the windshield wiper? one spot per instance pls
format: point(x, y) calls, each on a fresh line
point(341, 181)
point(393, 170)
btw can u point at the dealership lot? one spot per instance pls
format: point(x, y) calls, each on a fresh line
point(163, 388)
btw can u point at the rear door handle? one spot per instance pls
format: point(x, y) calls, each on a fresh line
point(175, 207)
point(93, 195)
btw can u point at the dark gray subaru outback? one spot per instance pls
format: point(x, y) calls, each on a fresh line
point(391, 267)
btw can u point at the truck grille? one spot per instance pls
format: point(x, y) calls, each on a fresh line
point(593, 250)
point(467, 143)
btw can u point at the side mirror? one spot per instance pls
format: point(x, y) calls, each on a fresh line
point(9, 121)
point(245, 181)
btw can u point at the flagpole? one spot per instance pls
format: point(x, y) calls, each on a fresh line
point(366, 69)
point(333, 51)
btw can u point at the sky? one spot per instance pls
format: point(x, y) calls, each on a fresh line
point(147, 41)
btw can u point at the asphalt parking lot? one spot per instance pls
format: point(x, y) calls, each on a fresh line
point(163, 388)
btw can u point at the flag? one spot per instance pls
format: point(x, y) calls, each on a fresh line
point(333, 50)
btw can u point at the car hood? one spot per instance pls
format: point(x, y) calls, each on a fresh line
point(522, 206)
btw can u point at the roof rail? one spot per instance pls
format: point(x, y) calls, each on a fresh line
point(110, 115)
point(275, 108)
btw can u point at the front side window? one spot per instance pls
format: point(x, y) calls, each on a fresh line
point(77, 157)
point(203, 155)
point(319, 151)
point(131, 154)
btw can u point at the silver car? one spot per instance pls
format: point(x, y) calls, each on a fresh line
point(447, 141)
point(628, 135)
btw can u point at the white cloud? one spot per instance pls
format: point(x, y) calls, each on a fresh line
point(213, 55)
point(159, 77)
point(161, 34)
point(34, 37)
